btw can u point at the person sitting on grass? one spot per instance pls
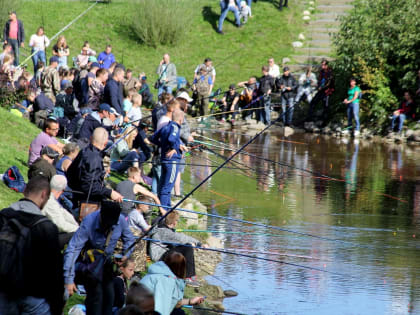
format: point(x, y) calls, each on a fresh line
point(134, 115)
point(43, 166)
point(136, 219)
point(130, 188)
point(405, 111)
point(166, 281)
point(126, 272)
point(167, 233)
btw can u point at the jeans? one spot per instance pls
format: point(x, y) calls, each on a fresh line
point(164, 88)
point(127, 161)
point(353, 111)
point(62, 62)
point(224, 11)
point(287, 115)
point(401, 118)
point(157, 174)
point(307, 91)
point(15, 46)
point(167, 181)
point(99, 296)
point(37, 57)
point(264, 114)
point(27, 305)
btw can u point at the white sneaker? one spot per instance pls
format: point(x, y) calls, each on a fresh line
point(345, 132)
point(356, 133)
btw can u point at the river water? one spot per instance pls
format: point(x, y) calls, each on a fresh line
point(362, 254)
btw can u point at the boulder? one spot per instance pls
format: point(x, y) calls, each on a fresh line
point(288, 131)
point(285, 60)
point(230, 293)
point(297, 44)
point(306, 12)
point(301, 36)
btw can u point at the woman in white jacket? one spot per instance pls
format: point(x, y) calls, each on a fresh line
point(39, 42)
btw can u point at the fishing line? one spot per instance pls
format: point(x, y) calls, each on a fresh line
point(189, 164)
point(211, 310)
point(247, 256)
point(201, 183)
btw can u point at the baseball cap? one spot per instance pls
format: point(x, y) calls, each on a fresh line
point(113, 111)
point(185, 96)
point(85, 110)
point(232, 86)
point(54, 59)
point(95, 65)
point(51, 153)
point(105, 106)
point(286, 69)
point(92, 59)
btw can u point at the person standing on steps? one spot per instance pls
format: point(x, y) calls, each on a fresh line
point(325, 89)
point(352, 102)
point(14, 35)
point(225, 7)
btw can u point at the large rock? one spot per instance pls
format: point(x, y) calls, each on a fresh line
point(230, 293)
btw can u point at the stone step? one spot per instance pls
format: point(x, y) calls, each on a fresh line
point(328, 15)
point(298, 68)
point(317, 36)
point(334, 2)
point(316, 50)
point(319, 43)
point(324, 22)
point(310, 59)
point(334, 7)
point(322, 29)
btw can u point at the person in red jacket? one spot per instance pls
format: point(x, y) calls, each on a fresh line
point(404, 112)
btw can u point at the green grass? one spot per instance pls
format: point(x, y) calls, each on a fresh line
point(17, 134)
point(237, 55)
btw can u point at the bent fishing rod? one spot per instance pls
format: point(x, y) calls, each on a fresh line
point(212, 249)
point(200, 184)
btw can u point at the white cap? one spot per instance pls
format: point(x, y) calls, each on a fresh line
point(185, 96)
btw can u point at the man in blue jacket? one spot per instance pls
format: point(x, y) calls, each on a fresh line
point(168, 139)
point(97, 236)
point(113, 93)
point(14, 35)
point(94, 120)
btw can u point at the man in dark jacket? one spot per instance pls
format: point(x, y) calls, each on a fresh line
point(43, 264)
point(14, 34)
point(86, 173)
point(93, 121)
point(287, 84)
point(113, 93)
point(264, 91)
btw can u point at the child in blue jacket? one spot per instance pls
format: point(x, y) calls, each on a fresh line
point(168, 139)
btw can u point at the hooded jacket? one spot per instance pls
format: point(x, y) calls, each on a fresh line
point(165, 286)
point(44, 263)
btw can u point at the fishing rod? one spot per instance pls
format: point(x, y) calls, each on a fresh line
point(230, 252)
point(240, 110)
point(188, 164)
point(200, 184)
point(211, 310)
point(241, 221)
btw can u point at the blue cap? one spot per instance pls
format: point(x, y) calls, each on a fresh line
point(95, 64)
point(54, 59)
point(85, 110)
point(105, 106)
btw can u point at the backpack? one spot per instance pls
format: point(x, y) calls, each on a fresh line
point(203, 86)
point(14, 179)
point(15, 243)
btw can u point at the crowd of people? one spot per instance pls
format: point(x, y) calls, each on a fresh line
point(76, 217)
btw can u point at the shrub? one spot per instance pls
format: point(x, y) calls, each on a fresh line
point(379, 43)
point(164, 22)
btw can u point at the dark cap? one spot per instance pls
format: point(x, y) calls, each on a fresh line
point(232, 86)
point(85, 110)
point(54, 59)
point(110, 213)
point(51, 153)
point(95, 65)
point(105, 106)
point(286, 69)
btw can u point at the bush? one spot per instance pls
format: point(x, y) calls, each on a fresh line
point(164, 22)
point(379, 43)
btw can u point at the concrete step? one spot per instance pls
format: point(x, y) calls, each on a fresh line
point(334, 2)
point(316, 51)
point(310, 59)
point(340, 8)
point(323, 29)
point(324, 22)
point(298, 68)
point(317, 36)
point(329, 15)
point(319, 43)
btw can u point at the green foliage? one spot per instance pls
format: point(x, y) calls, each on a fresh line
point(378, 42)
point(5, 7)
point(164, 22)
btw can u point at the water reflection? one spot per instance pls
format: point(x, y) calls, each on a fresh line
point(371, 199)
